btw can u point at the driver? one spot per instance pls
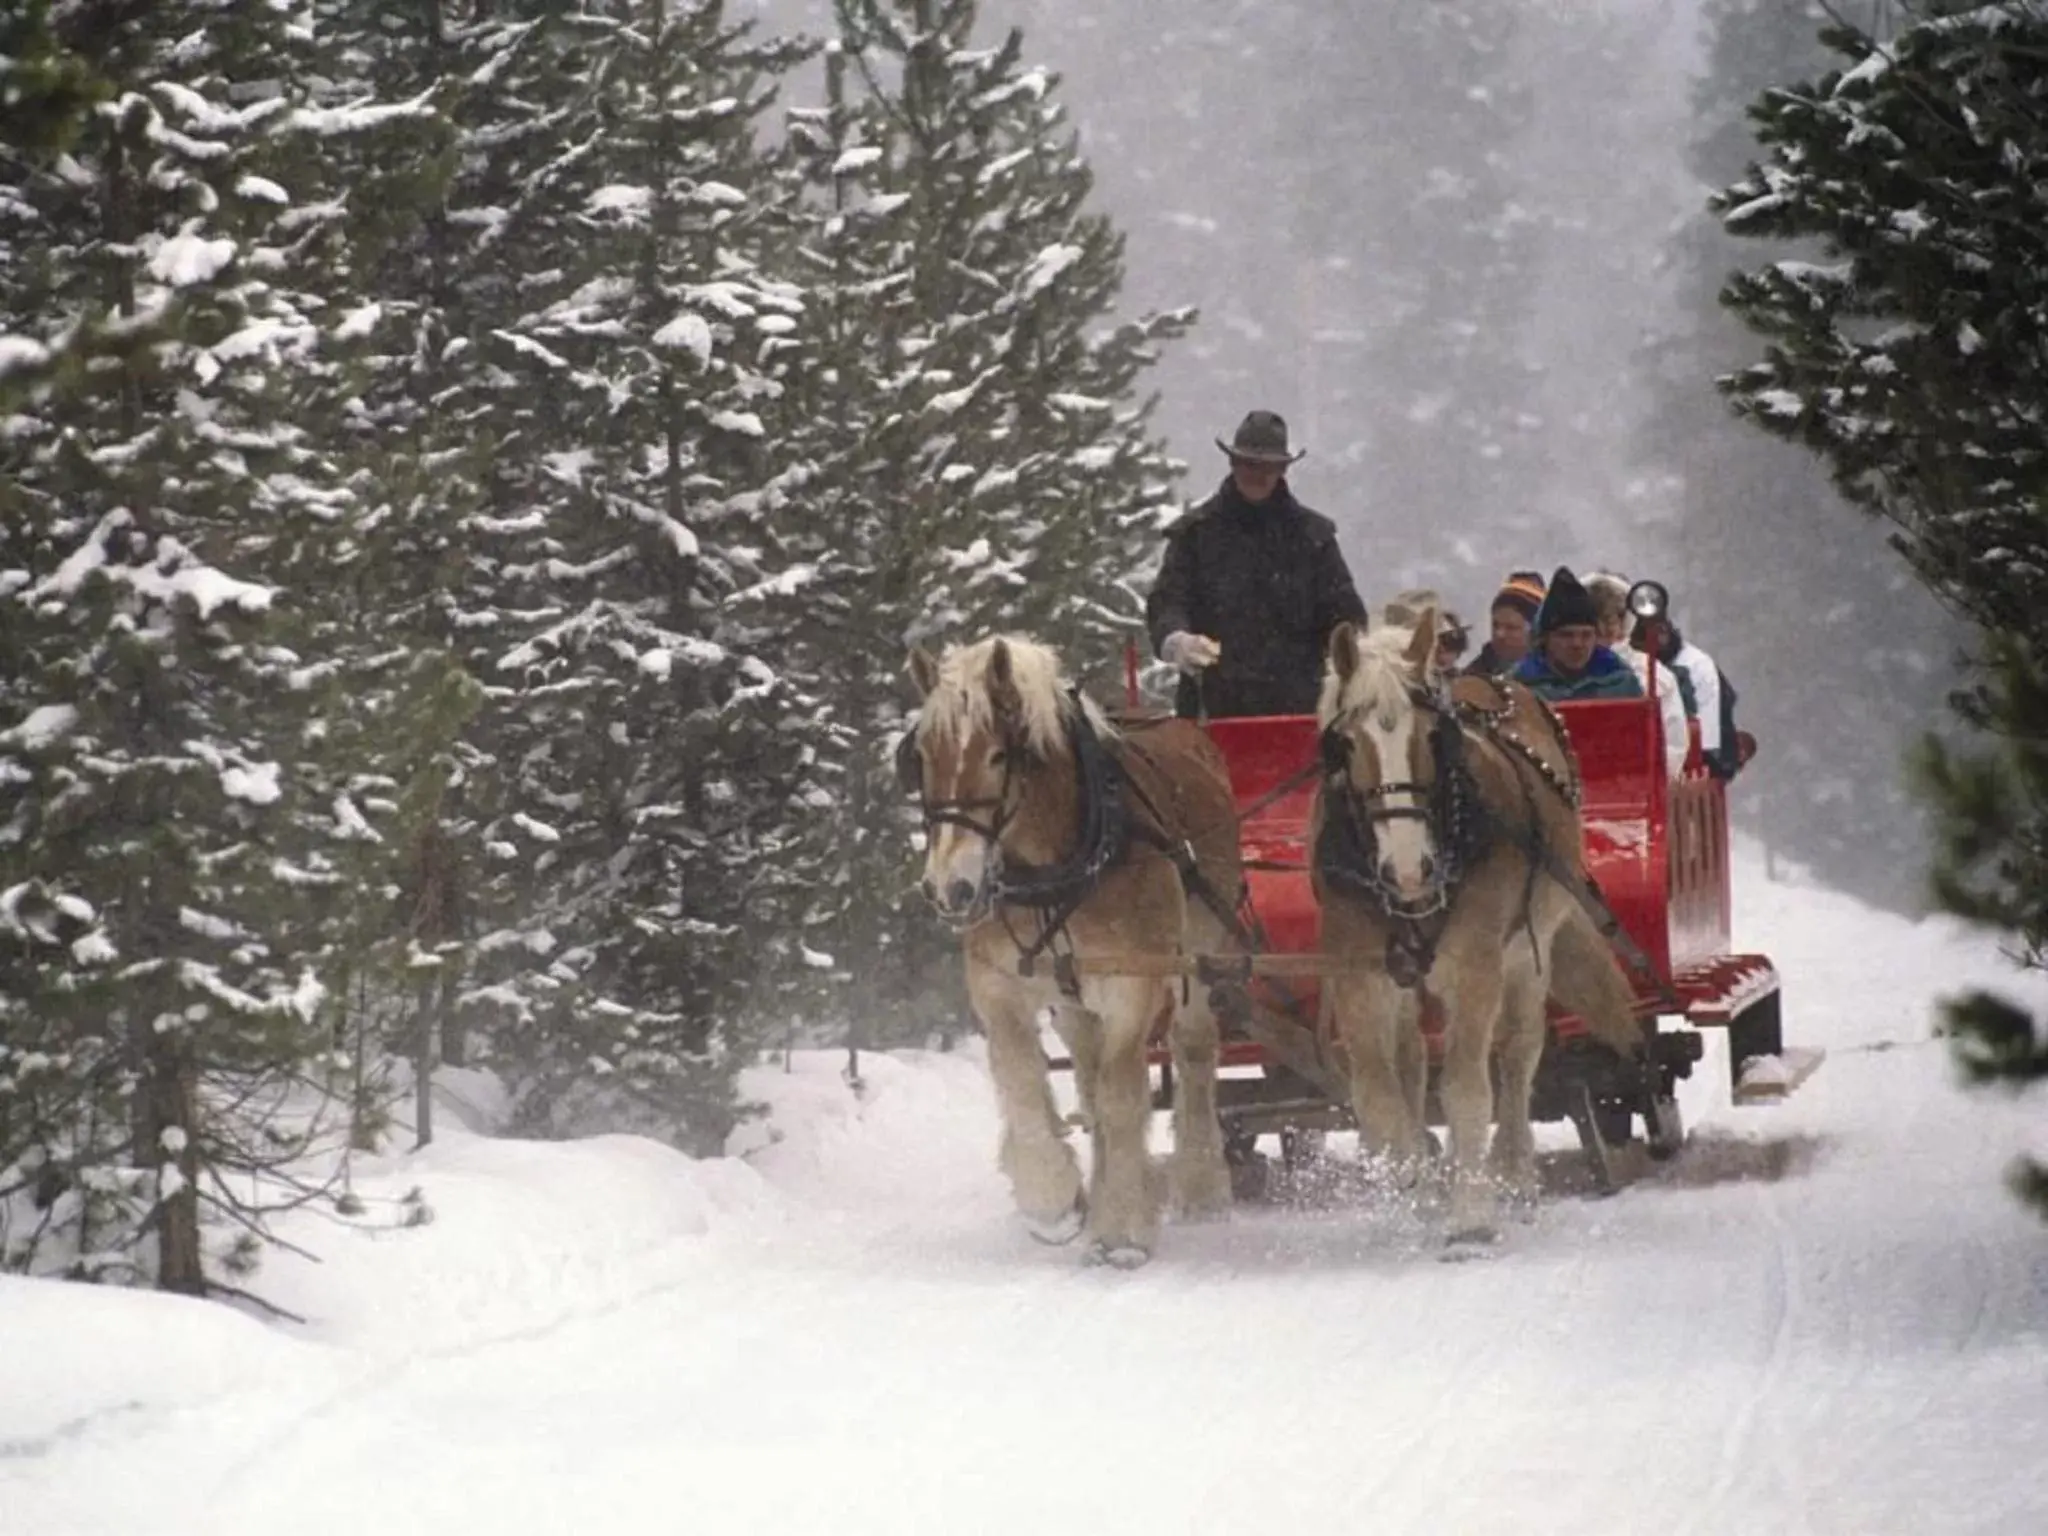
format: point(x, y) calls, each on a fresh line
point(1251, 587)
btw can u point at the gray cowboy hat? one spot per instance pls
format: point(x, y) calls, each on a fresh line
point(1261, 438)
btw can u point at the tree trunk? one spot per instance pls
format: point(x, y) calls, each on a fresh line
point(423, 1063)
point(454, 1033)
point(172, 1150)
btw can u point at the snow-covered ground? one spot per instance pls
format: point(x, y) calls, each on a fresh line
point(1827, 1316)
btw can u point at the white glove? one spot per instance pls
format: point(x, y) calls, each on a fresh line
point(1191, 653)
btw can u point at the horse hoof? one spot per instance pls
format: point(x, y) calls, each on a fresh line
point(1520, 1203)
point(1470, 1241)
point(1205, 1196)
point(1062, 1229)
point(1125, 1255)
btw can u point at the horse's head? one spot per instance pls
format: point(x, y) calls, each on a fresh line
point(992, 717)
point(1381, 701)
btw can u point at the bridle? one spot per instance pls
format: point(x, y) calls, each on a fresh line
point(963, 812)
point(1448, 805)
point(1052, 894)
point(960, 812)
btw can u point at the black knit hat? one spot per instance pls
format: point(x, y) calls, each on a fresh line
point(1566, 603)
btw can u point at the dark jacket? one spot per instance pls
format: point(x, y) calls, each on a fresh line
point(1487, 664)
point(1606, 676)
point(1269, 584)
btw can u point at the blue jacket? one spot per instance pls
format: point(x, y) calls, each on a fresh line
point(1606, 676)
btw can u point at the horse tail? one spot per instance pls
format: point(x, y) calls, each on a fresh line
point(1586, 978)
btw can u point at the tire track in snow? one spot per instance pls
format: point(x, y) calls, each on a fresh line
point(1430, 1455)
point(1739, 1439)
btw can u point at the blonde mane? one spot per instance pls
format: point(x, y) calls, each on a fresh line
point(1378, 684)
point(959, 704)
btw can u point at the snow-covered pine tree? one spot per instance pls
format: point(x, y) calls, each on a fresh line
point(854, 263)
point(46, 88)
point(650, 771)
point(1992, 869)
point(169, 519)
point(1912, 355)
point(423, 456)
point(976, 453)
point(1909, 355)
point(47, 91)
point(1715, 493)
point(1016, 470)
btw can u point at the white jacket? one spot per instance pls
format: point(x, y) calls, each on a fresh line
point(1670, 703)
point(1706, 693)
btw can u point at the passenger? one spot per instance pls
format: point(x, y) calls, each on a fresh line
point(1709, 700)
point(1514, 623)
point(1569, 664)
point(1251, 587)
point(1451, 639)
point(1451, 635)
point(1405, 607)
point(1610, 602)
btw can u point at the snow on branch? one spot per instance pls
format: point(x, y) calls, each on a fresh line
point(688, 332)
point(19, 354)
point(360, 116)
point(188, 258)
point(1046, 268)
point(174, 574)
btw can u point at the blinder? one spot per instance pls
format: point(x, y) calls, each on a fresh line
point(1336, 750)
point(909, 765)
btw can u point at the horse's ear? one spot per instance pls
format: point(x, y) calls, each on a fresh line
point(1422, 649)
point(923, 668)
point(1343, 651)
point(1002, 685)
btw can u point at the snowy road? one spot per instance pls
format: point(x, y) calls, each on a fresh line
point(1826, 1317)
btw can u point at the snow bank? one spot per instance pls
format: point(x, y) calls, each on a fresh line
point(520, 1236)
point(123, 1355)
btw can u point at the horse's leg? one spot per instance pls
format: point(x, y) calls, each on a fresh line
point(1077, 1031)
point(1469, 980)
point(1371, 1013)
point(1034, 1155)
point(1520, 1035)
point(1123, 1208)
point(1411, 1062)
point(1586, 978)
point(1199, 1176)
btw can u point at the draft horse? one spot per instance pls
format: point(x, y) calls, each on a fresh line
point(1447, 855)
point(1054, 838)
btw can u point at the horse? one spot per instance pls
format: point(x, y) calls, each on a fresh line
point(1060, 846)
point(1446, 847)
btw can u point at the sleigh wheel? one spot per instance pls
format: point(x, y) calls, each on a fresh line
point(1616, 1120)
point(1300, 1147)
point(1586, 1115)
point(1665, 1127)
